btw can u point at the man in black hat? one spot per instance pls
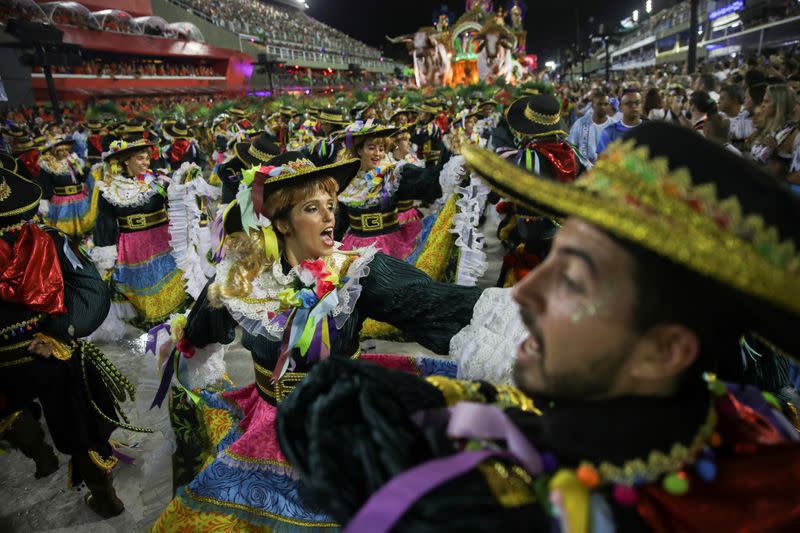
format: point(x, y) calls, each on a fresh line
point(325, 150)
point(427, 135)
point(245, 155)
point(672, 250)
point(51, 297)
point(539, 147)
point(183, 147)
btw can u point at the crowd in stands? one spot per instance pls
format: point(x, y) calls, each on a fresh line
point(751, 105)
point(137, 68)
point(277, 25)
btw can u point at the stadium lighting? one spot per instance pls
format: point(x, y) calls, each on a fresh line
point(550, 64)
point(635, 16)
point(648, 6)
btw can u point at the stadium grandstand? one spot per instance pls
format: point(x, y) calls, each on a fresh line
point(160, 47)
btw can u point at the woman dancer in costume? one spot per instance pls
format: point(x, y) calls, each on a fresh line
point(299, 299)
point(132, 236)
point(69, 197)
point(370, 201)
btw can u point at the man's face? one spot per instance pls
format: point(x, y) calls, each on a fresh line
point(578, 308)
point(631, 104)
point(726, 103)
point(601, 107)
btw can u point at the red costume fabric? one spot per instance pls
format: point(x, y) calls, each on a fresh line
point(40, 289)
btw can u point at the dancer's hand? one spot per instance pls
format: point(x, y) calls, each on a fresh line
point(41, 348)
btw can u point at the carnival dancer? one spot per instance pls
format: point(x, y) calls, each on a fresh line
point(69, 195)
point(131, 236)
point(183, 147)
point(94, 142)
point(641, 235)
point(426, 134)
point(292, 277)
point(51, 296)
point(371, 199)
point(326, 150)
point(542, 149)
point(246, 154)
point(403, 117)
point(28, 155)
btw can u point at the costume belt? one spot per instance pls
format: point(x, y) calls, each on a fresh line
point(68, 190)
point(374, 222)
point(141, 221)
point(276, 392)
point(405, 205)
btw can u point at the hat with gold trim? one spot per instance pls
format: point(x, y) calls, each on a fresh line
point(331, 116)
point(8, 161)
point(120, 149)
point(667, 190)
point(258, 152)
point(537, 115)
point(19, 198)
point(287, 169)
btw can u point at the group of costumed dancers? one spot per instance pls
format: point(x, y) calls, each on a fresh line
point(302, 232)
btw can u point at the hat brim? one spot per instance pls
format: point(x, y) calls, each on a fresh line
point(241, 151)
point(682, 244)
point(8, 162)
point(65, 142)
point(169, 130)
point(343, 172)
point(24, 197)
point(515, 115)
point(128, 151)
point(363, 136)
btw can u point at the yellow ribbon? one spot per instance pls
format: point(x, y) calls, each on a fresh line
point(271, 244)
point(289, 298)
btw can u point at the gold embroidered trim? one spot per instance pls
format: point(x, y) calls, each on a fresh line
point(638, 199)
point(15, 346)
point(102, 464)
point(455, 391)
point(541, 118)
point(658, 463)
point(508, 396)
point(256, 511)
point(254, 460)
point(258, 154)
point(5, 190)
point(511, 485)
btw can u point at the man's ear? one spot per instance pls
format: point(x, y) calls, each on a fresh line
point(668, 350)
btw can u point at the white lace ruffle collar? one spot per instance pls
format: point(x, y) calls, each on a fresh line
point(257, 312)
point(129, 192)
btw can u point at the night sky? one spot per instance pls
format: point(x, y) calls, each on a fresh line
point(550, 23)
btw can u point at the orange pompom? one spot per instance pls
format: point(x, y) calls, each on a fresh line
point(588, 475)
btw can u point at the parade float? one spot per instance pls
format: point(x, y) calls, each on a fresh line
point(484, 44)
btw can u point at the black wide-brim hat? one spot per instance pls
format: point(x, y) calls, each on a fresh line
point(62, 141)
point(19, 197)
point(302, 171)
point(259, 152)
point(332, 117)
point(122, 149)
point(670, 191)
point(538, 115)
point(8, 162)
point(178, 130)
point(375, 131)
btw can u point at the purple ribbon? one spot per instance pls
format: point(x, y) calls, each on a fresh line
point(385, 507)
point(466, 420)
point(152, 338)
point(348, 139)
point(166, 379)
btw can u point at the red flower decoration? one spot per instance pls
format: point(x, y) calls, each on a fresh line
point(186, 348)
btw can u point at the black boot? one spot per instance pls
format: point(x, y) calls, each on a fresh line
point(26, 435)
point(96, 473)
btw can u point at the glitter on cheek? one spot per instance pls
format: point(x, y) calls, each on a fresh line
point(590, 308)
